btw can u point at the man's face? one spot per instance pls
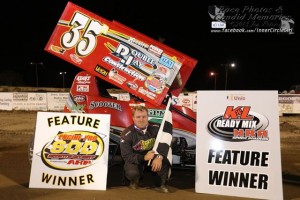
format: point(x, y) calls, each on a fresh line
point(140, 119)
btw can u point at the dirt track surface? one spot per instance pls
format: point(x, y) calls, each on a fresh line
point(16, 129)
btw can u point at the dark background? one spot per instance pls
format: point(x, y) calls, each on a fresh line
point(265, 61)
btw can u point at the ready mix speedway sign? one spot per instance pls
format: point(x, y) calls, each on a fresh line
point(238, 144)
point(70, 151)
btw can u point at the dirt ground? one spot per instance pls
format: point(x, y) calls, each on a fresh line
point(16, 129)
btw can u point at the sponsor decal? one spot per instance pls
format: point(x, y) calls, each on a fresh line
point(124, 68)
point(166, 62)
point(186, 101)
point(132, 85)
point(155, 83)
point(155, 50)
point(156, 113)
point(114, 75)
point(136, 104)
point(147, 93)
point(101, 70)
point(138, 42)
point(82, 88)
point(144, 145)
point(105, 104)
point(83, 79)
point(75, 58)
point(164, 71)
point(57, 49)
point(239, 124)
point(134, 57)
point(79, 98)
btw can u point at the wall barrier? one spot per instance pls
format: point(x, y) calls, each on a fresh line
point(55, 101)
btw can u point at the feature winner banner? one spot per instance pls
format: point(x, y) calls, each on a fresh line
point(238, 144)
point(122, 56)
point(70, 151)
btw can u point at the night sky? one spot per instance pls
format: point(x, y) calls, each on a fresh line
point(264, 61)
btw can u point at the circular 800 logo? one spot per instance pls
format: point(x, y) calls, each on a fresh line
point(72, 150)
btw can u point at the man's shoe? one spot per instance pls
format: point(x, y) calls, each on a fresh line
point(164, 189)
point(134, 185)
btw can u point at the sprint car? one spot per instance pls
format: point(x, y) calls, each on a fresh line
point(88, 94)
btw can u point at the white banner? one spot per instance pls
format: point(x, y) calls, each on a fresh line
point(29, 101)
point(56, 101)
point(6, 99)
point(70, 151)
point(238, 144)
point(289, 103)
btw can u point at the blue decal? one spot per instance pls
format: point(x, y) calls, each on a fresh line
point(166, 62)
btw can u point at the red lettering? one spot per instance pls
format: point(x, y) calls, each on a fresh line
point(79, 162)
point(262, 133)
point(240, 112)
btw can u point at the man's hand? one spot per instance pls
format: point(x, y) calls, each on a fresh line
point(149, 155)
point(156, 164)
